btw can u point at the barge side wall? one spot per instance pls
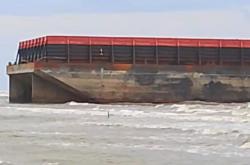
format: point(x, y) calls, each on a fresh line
point(54, 83)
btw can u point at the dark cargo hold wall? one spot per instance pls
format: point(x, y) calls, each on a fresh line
point(246, 56)
point(231, 56)
point(56, 52)
point(167, 55)
point(123, 54)
point(137, 55)
point(79, 53)
point(127, 50)
point(210, 56)
point(145, 55)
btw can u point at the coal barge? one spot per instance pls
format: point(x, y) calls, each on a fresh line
point(59, 69)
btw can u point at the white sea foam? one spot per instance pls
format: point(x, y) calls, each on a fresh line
point(159, 105)
point(4, 163)
point(63, 111)
point(140, 126)
point(217, 130)
point(67, 144)
point(214, 131)
point(72, 103)
point(4, 94)
point(245, 145)
point(51, 163)
point(192, 115)
point(241, 113)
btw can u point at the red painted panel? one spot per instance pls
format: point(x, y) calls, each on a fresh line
point(167, 42)
point(231, 43)
point(44, 41)
point(32, 43)
point(123, 41)
point(129, 41)
point(79, 40)
point(209, 43)
point(144, 42)
point(246, 44)
point(39, 42)
point(24, 44)
point(100, 41)
point(56, 40)
point(189, 42)
point(36, 42)
point(29, 43)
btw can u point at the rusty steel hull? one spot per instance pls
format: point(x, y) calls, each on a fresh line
point(48, 82)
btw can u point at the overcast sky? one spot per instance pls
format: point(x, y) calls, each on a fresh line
point(23, 19)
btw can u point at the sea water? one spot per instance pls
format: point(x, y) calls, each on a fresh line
point(190, 133)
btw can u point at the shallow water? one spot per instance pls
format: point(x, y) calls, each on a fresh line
point(75, 134)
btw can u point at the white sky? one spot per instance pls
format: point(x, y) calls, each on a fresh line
point(232, 21)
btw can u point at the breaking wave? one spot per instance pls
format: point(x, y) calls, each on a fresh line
point(194, 128)
point(73, 103)
point(246, 145)
point(5, 163)
point(4, 94)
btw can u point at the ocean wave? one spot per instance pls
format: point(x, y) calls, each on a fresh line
point(218, 132)
point(141, 126)
point(159, 106)
point(73, 103)
point(51, 163)
point(63, 111)
point(205, 151)
point(99, 110)
point(5, 163)
point(4, 94)
point(174, 128)
point(67, 144)
point(246, 144)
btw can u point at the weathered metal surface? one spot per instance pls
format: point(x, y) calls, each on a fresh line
point(20, 69)
point(105, 84)
point(20, 88)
